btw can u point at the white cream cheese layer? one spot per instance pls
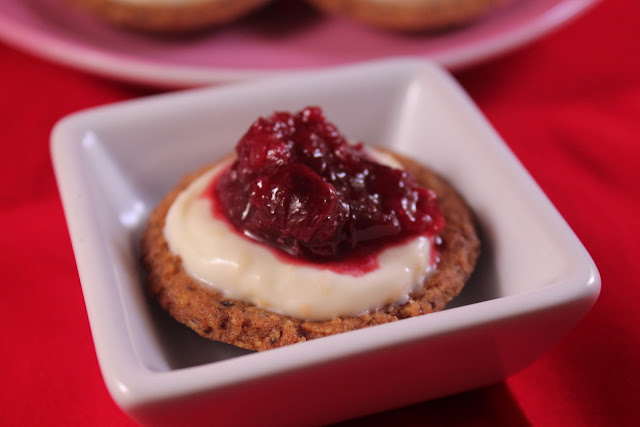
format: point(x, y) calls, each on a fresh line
point(214, 253)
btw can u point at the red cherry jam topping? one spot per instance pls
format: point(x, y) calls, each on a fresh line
point(299, 186)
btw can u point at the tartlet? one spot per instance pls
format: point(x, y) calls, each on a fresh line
point(209, 313)
point(410, 15)
point(169, 15)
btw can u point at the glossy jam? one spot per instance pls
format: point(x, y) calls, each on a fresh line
point(297, 185)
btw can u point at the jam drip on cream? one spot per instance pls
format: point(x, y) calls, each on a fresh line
point(299, 186)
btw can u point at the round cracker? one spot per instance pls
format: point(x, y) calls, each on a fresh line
point(169, 17)
point(410, 15)
point(210, 314)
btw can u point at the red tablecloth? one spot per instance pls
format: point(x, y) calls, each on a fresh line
point(569, 107)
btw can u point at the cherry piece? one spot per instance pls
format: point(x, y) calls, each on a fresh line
point(299, 186)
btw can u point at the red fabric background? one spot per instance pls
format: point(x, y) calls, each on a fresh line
point(569, 107)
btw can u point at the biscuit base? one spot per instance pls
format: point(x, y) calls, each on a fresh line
point(177, 17)
point(410, 15)
point(210, 314)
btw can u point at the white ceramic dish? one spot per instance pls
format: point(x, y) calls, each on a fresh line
point(285, 37)
point(533, 283)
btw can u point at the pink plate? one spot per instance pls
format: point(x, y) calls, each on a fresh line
point(286, 36)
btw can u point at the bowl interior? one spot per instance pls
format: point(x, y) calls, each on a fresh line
point(132, 154)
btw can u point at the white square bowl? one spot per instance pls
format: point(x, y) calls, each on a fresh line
point(533, 283)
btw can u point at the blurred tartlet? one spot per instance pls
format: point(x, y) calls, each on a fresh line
point(169, 15)
point(410, 15)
